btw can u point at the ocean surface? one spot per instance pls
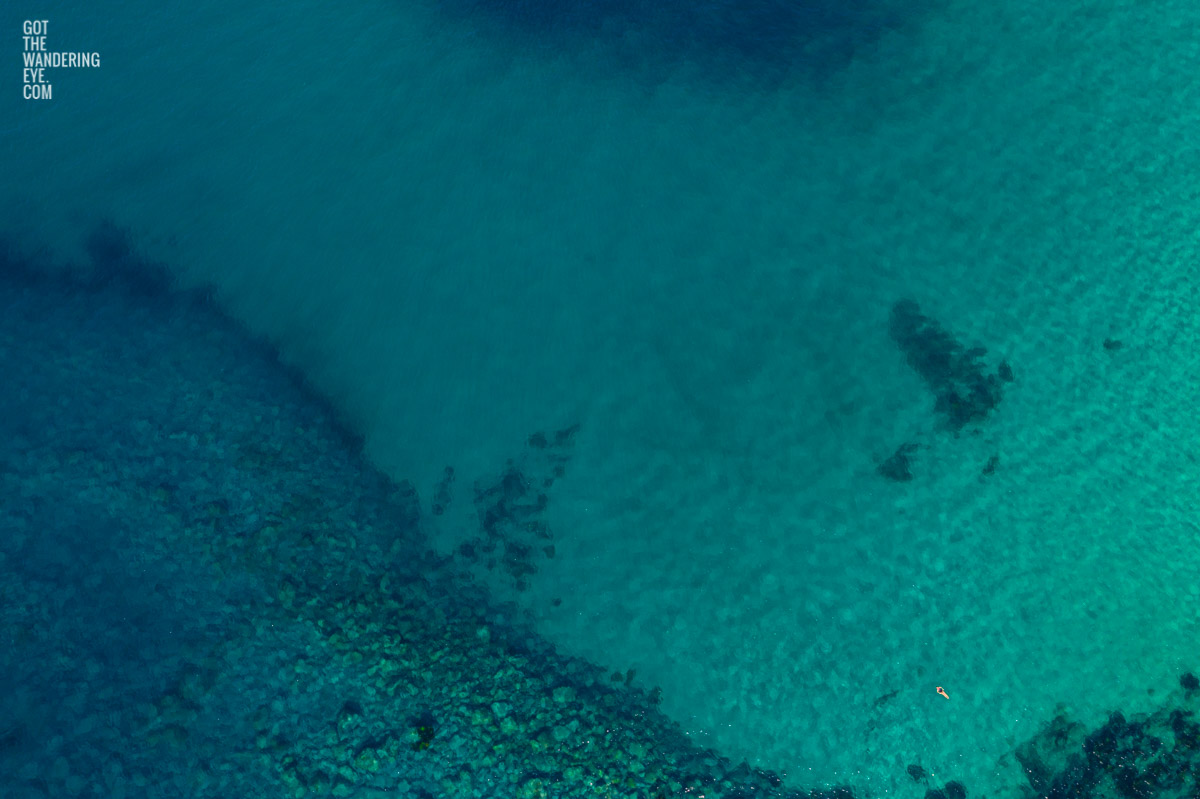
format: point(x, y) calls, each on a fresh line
point(617, 292)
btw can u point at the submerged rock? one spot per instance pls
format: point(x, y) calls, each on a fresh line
point(965, 392)
point(898, 467)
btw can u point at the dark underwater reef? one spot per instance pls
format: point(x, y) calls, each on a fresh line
point(763, 39)
point(209, 592)
point(116, 271)
point(964, 390)
point(1154, 756)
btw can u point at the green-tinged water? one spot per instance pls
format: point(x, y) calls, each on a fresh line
point(462, 239)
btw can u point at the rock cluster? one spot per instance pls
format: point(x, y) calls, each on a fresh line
point(965, 391)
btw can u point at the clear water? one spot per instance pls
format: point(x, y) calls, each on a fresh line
point(684, 233)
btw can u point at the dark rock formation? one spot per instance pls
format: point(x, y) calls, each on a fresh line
point(1153, 756)
point(964, 390)
point(511, 509)
point(263, 614)
point(898, 467)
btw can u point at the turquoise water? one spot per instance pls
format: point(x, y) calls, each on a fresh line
point(463, 227)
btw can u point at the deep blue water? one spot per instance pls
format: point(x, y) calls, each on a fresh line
point(757, 42)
